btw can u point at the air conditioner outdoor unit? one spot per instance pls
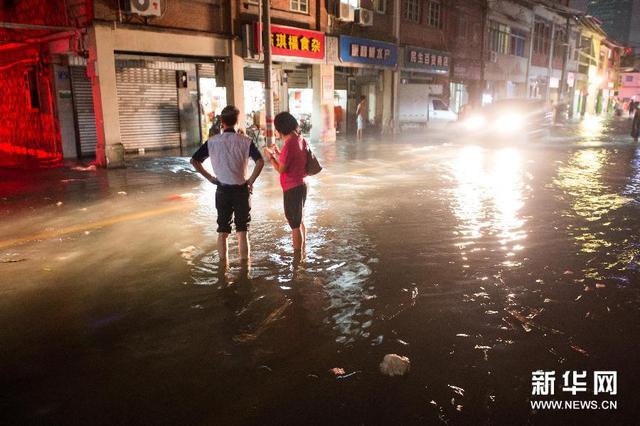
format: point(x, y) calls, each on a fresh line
point(493, 56)
point(345, 12)
point(364, 17)
point(144, 7)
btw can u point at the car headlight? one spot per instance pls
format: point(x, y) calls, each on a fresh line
point(510, 123)
point(475, 122)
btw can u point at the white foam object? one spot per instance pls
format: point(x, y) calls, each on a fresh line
point(395, 365)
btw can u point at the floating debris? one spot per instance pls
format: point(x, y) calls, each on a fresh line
point(395, 365)
point(457, 389)
point(91, 168)
point(346, 376)
point(579, 350)
point(122, 193)
point(337, 371)
point(22, 259)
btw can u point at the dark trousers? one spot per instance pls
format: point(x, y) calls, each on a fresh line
point(233, 203)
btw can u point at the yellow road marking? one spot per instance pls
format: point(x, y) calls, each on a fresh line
point(155, 212)
point(93, 225)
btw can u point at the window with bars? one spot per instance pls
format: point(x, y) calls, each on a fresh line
point(435, 14)
point(541, 38)
point(300, 6)
point(412, 10)
point(505, 40)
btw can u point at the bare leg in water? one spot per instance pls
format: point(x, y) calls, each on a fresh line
point(244, 247)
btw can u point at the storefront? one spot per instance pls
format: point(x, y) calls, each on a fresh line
point(295, 53)
point(363, 68)
point(466, 85)
point(424, 78)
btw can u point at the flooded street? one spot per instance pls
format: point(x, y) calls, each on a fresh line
point(480, 262)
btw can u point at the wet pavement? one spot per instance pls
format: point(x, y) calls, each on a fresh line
point(479, 262)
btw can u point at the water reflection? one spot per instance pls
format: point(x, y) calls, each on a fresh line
point(591, 199)
point(488, 197)
point(591, 128)
point(328, 289)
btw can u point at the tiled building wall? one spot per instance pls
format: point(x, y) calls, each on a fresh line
point(27, 136)
point(195, 15)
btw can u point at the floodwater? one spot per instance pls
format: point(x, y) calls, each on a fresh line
point(480, 262)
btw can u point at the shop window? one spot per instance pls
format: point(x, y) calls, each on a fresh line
point(380, 6)
point(412, 10)
point(31, 85)
point(435, 14)
point(300, 6)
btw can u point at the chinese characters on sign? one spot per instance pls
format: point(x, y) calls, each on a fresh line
point(574, 382)
point(426, 60)
point(365, 51)
point(289, 41)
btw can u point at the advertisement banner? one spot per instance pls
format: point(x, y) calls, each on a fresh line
point(290, 41)
point(365, 51)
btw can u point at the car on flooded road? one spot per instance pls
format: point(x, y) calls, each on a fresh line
point(509, 119)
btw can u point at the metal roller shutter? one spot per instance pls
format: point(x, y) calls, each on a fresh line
point(83, 107)
point(253, 74)
point(298, 79)
point(206, 70)
point(148, 103)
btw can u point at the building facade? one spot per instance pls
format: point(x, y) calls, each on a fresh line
point(621, 20)
point(97, 79)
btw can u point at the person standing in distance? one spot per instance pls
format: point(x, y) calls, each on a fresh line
point(229, 153)
point(360, 114)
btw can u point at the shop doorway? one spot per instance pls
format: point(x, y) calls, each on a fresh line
point(212, 98)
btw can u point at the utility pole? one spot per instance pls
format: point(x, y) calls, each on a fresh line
point(532, 37)
point(396, 73)
point(265, 9)
point(565, 62)
point(552, 43)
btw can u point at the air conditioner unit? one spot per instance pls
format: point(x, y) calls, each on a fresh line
point(144, 7)
point(344, 12)
point(493, 56)
point(364, 17)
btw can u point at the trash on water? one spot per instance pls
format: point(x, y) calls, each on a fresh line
point(395, 365)
point(579, 350)
point(337, 371)
point(600, 285)
point(91, 168)
point(346, 376)
point(59, 203)
point(457, 389)
point(402, 342)
point(462, 335)
point(122, 193)
point(22, 259)
point(264, 367)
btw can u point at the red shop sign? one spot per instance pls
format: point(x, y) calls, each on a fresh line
point(290, 41)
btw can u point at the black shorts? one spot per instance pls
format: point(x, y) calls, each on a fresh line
point(233, 203)
point(294, 200)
